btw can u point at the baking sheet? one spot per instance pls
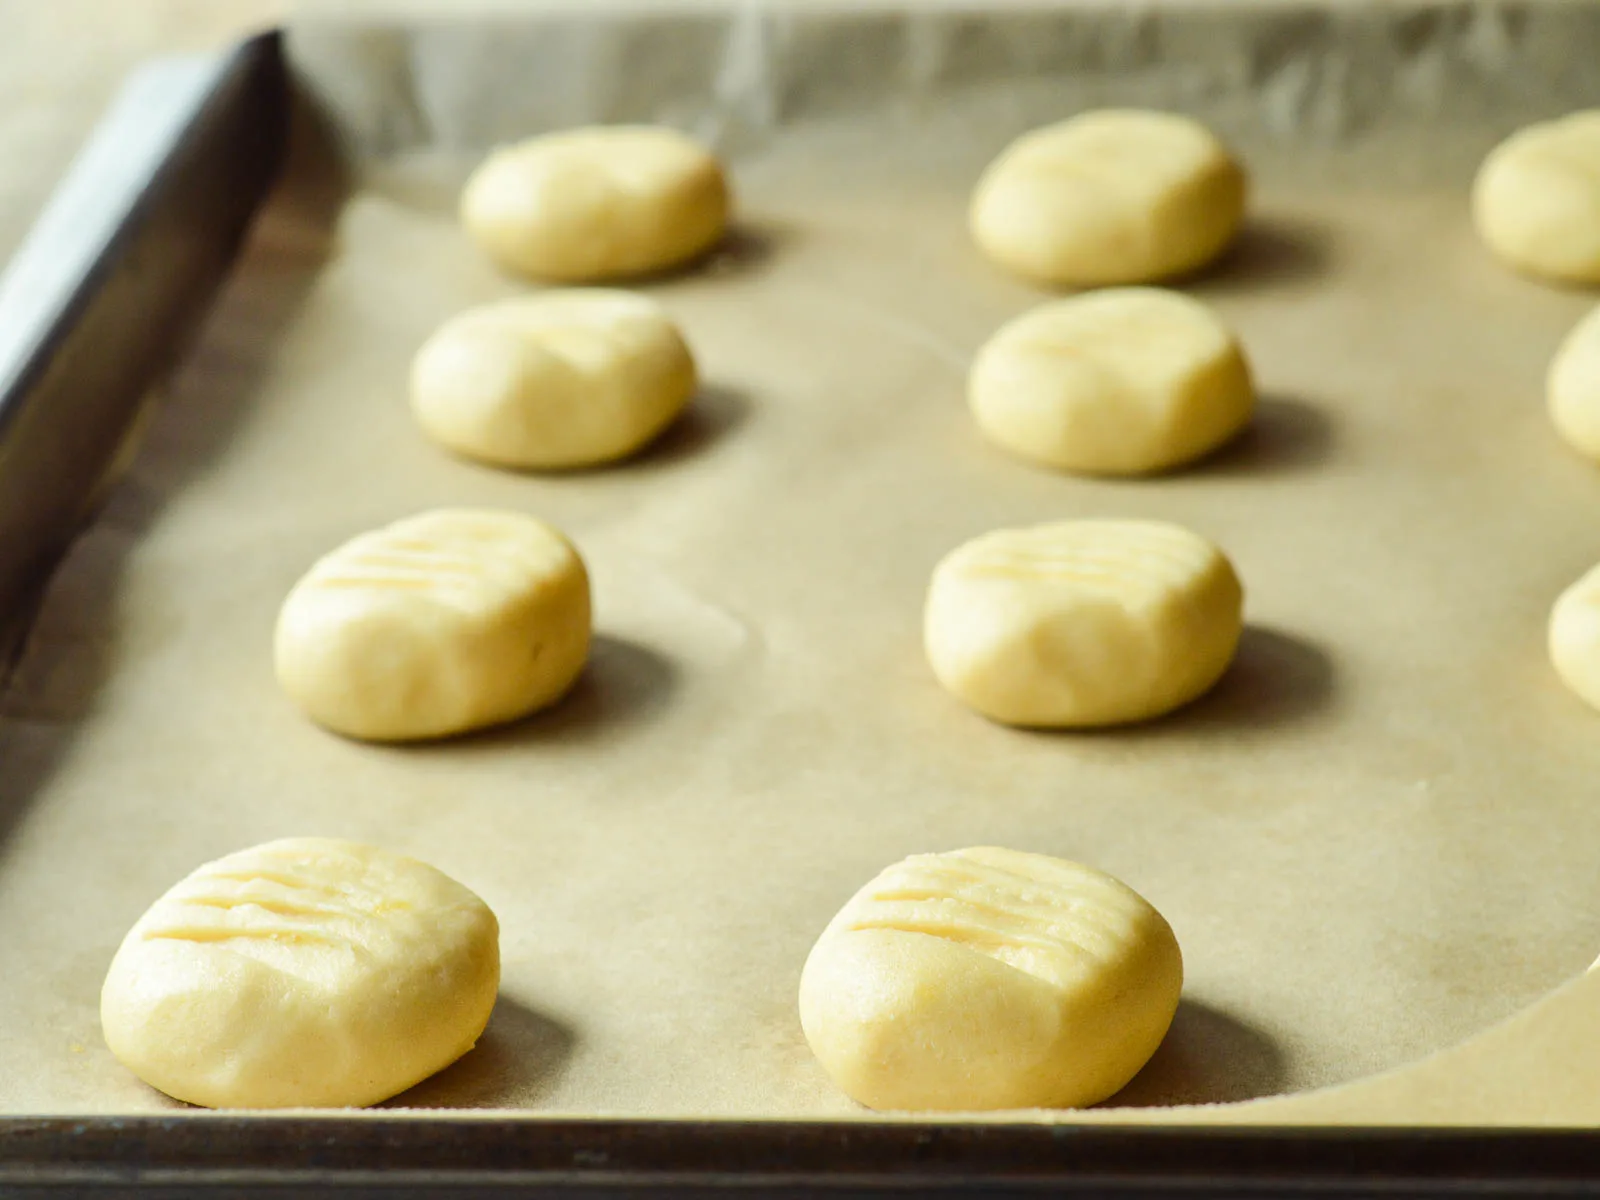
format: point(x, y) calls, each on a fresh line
point(1373, 840)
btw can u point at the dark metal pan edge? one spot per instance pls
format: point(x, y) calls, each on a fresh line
point(558, 1154)
point(113, 282)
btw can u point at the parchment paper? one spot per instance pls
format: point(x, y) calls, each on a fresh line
point(1374, 839)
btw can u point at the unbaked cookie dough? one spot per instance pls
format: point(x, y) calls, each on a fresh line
point(1108, 197)
point(1573, 387)
point(1082, 623)
point(1536, 200)
point(1116, 382)
point(304, 972)
point(596, 203)
point(989, 978)
point(441, 623)
point(1575, 637)
point(563, 379)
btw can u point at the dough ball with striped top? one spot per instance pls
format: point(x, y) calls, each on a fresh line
point(438, 624)
point(307, 972)
point(989, 978)
point(1082, 623)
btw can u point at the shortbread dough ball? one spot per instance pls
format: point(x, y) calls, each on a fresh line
point(1573, 387)
point(1537, 199)
point(989, 978)
point(563, 379)
point(1082, 623)
point(438, 624)
point(1117, 382)
point(1575, 637)
point(304, 972)
point(1109, 197)
point(596, 203)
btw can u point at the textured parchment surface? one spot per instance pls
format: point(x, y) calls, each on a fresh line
point(1375, 839)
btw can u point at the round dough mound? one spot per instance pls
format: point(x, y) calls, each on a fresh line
point(1118, 382)
point(1082, 623)
point(304, 972)
point(1536, 200)
point(437, 624)
point(596, 203)
point(1109, 197)
point(1573, 387)
point(564, 379)
point(989, 978)
point(1575, 637)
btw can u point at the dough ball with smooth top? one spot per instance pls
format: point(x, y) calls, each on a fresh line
point(989, 978)
point(1082, 623)
point(438, 624)
point(1109, 197)
point(562, 379)
point(304, 972)
point(596, 203)
point(1536, 200)
point(1574, 637)
point(1116, 382)
point(1573, 387)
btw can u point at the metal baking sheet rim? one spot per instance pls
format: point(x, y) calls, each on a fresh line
point(1462, 1115)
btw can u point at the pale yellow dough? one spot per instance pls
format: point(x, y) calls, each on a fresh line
point(1082, 623)
point(1536, 200)
point(1575, 637)
point(989, 978)
point(562, 379)
point(1108, 197)
point(435, 625)
point(304, 972)
point(596, 203)
point(1115, 382)
point(1573, 387)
